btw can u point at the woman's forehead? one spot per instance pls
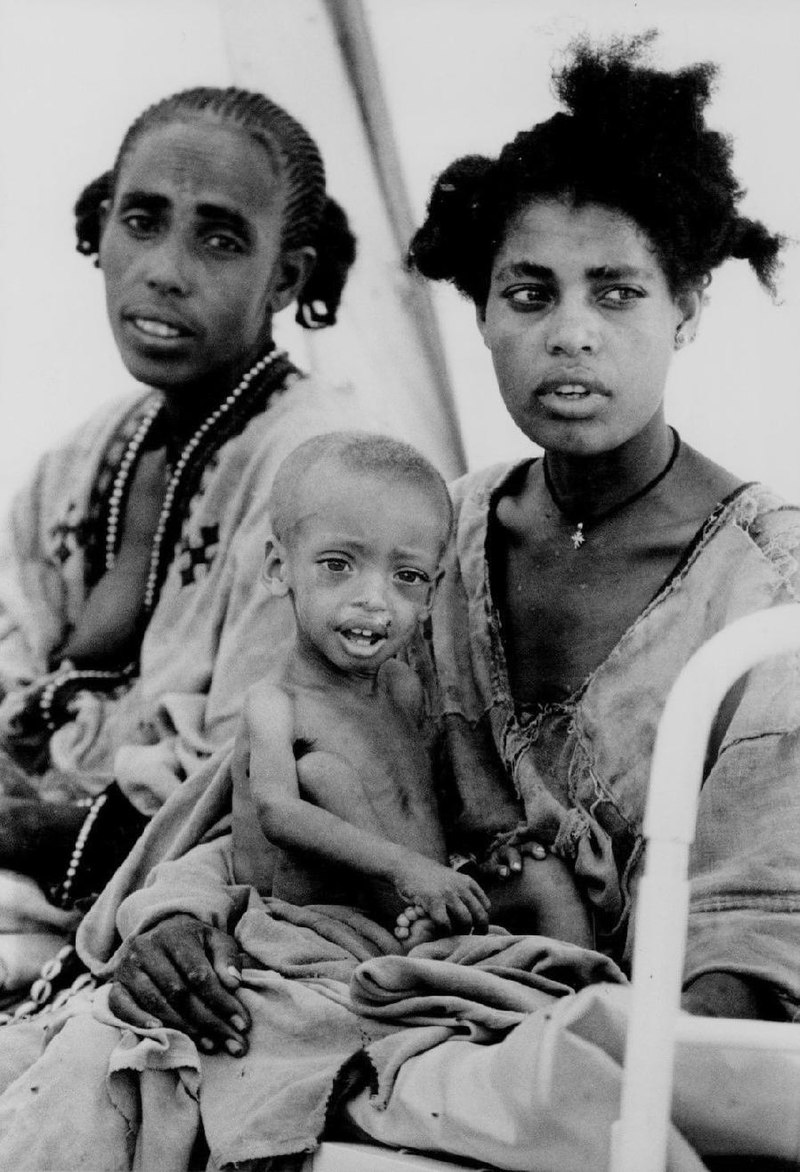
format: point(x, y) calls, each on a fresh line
point(554, 234)
point(204, 159)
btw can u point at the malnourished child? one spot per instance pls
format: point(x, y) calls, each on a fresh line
point(334, 754)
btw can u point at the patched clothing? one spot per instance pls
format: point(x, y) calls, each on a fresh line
point(513, 766)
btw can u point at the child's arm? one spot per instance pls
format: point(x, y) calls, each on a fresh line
point(454, 902)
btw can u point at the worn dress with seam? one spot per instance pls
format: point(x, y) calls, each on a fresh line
point(514, 766)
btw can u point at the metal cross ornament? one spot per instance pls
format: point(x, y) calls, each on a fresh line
point(577, 537)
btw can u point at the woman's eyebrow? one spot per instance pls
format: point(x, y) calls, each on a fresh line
point(617, 273)
point(143, 199)
point(525, 268)
point(225, 215)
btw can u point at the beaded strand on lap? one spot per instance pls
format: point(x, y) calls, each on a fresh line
point(63, 896)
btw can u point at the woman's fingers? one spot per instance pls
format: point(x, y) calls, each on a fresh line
point(203, 993)
point(125, 1007)
point(169, 973)
point(142, 1004)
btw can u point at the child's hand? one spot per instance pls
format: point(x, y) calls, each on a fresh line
point(453, 901)
point(506, 860)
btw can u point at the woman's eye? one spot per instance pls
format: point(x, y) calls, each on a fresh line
point(527, 296)
point(140, 223)
point(223, 242)
point(412, 577)
point(621, 295)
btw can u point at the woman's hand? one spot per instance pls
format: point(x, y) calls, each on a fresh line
point(453, 900)
point(37, 838)
point(183, 974)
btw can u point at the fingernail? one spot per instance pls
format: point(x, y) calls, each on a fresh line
point(234, 972)
point(152, 1023)
point(516, 866)
point(504, 870)
point(206, 1044)
point(234, 1047)
point(238, 1022)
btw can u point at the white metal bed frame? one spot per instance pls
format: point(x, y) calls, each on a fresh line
point(639, 1137)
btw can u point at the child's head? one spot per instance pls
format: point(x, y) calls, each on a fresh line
point(360, 523)
point(213, 218)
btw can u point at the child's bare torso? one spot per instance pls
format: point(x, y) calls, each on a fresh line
point(364, 756)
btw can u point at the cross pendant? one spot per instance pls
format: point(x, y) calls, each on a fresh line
point(577, 537)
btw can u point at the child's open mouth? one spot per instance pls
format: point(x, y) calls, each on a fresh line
point(362, 640)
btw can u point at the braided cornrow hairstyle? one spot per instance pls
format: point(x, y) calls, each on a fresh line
point(633, 139)
point(311, 217)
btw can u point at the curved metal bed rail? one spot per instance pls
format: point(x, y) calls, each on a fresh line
point(639, 1140)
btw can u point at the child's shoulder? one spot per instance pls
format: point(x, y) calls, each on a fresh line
point(267, 701)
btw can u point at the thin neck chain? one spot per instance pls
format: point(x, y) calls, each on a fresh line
point(128, 463)
point(578, 537)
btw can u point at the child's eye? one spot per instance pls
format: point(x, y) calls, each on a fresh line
point(335, 565)
point(410, 577)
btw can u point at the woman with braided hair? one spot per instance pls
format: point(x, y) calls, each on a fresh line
point(127, 618)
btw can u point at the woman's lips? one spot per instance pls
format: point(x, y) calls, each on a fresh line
point(571, 394)
point(157, 328)
point(571, 386)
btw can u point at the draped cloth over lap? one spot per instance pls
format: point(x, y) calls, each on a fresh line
point(331, 999)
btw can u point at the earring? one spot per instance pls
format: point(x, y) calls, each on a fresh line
point(680, 338)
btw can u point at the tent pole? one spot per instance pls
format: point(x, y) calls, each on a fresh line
point(351, 27)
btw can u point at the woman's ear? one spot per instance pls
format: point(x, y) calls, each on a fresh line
point(274, 570)
point(292, 271)
point(689, 305)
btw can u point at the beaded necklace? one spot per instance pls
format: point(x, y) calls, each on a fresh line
point(129, 460)
point(69, 679)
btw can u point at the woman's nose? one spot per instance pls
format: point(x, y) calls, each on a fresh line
point(166, 267)
point(572, 330)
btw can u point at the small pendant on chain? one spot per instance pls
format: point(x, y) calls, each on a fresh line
point(577, 537)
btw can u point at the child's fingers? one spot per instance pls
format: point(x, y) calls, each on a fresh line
point(534, 850)
point(506, 860)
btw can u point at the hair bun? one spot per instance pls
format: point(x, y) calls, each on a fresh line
point(88, 217)
point(455, 204)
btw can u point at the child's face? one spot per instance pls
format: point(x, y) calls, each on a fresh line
point(361, 565)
